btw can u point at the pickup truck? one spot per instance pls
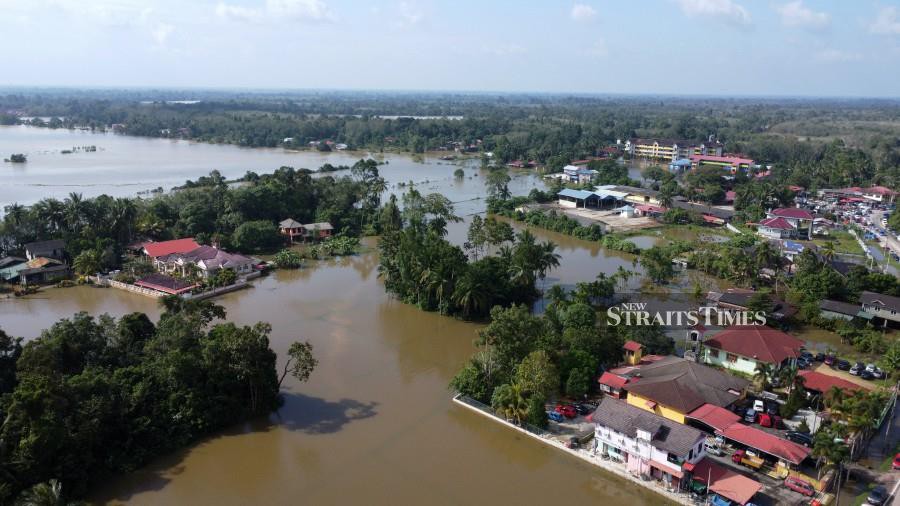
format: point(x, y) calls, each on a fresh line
point(747, 459)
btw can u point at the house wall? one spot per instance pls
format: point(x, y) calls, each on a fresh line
point(832, 315)
point(880, 312)
point(567, 203)
point(663, 411)
point(717, 357)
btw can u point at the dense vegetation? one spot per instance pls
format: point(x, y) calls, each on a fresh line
point(811, 143)
point(96, 396)
point(239, 217)
point(525, 360)
point(421, 267)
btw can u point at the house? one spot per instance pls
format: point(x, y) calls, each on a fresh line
point(674, 387)
point(633, 352)
point(885, 307)
point(320, 230)
point(613, 385)
point(716, 215)
point(775, 228)
point(10, 267)
point(732, 164)
point(649, 210)
point(55, 249)
point(680, 165)
point(742, 347)
point(833, 309)
point(648, 444)
point(165, 248)
point(574, 199)
point(737, 300)
point(43, 270)
point(879, 194)
point(291, 228)
point(626, 211)
point(206, 261)
point(819, 383)
point(800, 221)
point(580, 175)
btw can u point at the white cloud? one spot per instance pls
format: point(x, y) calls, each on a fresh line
point(837, 56)
point(410, 14)
point(723, 9)
point(796, 14)
point(598, 50)
point(887, 21)
point(503, 49)
point(161, 33)
point(277, 10)
point(582, 12)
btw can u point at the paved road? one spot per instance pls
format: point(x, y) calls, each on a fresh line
point(890, 240)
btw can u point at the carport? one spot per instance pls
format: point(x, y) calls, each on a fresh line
point(725, 482)
point(769, 444)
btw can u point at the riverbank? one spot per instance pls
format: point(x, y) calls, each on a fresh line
point(607, 465)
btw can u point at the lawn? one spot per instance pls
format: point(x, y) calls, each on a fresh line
point(842, 242)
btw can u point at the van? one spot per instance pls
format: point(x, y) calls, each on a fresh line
point(758, 405)
point(750, 415)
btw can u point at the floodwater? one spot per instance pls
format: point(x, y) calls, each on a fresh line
point(374, 425)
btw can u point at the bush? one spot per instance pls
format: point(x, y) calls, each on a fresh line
point(537, 414)
point(288, 259)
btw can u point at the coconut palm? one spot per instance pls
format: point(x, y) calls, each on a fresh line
point(43, 494)
point(761, 378)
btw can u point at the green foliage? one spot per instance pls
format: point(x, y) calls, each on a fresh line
point(618, 243)
point(657, 263)
point(537, 375)
point(537, 412)
point(558, 223)
point(288, 259)
point(578, 383)
point(257, 235)
point(91, 397)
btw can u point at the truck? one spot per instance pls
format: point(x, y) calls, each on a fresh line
point(746, 458)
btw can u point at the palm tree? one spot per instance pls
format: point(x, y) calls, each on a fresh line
point(786, 376)
point(833, 398)
point(471, 295)
point(827, 252)
point(88, 262)
point(43, 494)
point(762, 375)
point(510, 402)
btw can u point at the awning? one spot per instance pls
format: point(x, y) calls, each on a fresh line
point(666, 469)
point(766, 443)
point(714, 416)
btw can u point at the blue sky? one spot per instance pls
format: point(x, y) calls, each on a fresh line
point(721, 47)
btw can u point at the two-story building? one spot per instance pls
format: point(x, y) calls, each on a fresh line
point(787, 223)
point(54, 248)
point(884, 307)
point(648, 444)
point(742, 347)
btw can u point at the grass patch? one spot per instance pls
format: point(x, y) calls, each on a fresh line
point(841, 241)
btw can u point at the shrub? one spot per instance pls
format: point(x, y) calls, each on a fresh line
point(288, 259)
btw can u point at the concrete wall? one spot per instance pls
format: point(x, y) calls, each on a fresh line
point(716, 357)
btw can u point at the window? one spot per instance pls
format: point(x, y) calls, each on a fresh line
point(690, 454)
point(732, 358)
point(721, 354)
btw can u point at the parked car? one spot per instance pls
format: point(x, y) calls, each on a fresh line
point(712, 448)
point(798, 485)
point(802, 363)
point(843, 365)
point(759, 406)
point(857, 368)
point(566, 410)
point(573, 442)
point(870, 367)
point(829, 360)
point(896, 463)
point(773, 408)
point(866, 375)
point(800, 438)
point(807, 356)
point(878, 373)
point(750, 415)
point(820, 357)
point(877, 496)
point(556, 417)
point(584, 409)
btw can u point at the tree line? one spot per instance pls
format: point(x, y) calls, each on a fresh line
point(92, 397)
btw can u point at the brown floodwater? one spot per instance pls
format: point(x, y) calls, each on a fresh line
point(375, 424)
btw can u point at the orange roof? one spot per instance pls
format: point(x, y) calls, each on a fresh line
point(163, 248)
point(726, 482)
point(823, 382)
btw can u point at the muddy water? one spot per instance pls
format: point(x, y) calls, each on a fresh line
point(374, 425)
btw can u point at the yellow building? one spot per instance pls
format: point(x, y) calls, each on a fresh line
point(652, 406)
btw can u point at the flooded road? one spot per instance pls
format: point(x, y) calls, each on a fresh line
point(374, 425)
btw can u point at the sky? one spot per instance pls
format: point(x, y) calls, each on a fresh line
point(690, 47)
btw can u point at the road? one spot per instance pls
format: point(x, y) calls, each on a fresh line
point(889, 241)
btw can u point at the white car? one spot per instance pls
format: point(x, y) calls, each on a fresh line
point(871, 367)
point(759, 406)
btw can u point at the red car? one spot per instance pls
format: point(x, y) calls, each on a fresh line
point(896, 463)
point(566, 410)
point(798, 485)
point(767, 420)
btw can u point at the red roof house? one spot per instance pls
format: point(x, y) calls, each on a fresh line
point(725, 482)
point(754, 343)
point(792, 212)
point(776, 223)
point(632, 346)
point(822, 383)
point(163, 248)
